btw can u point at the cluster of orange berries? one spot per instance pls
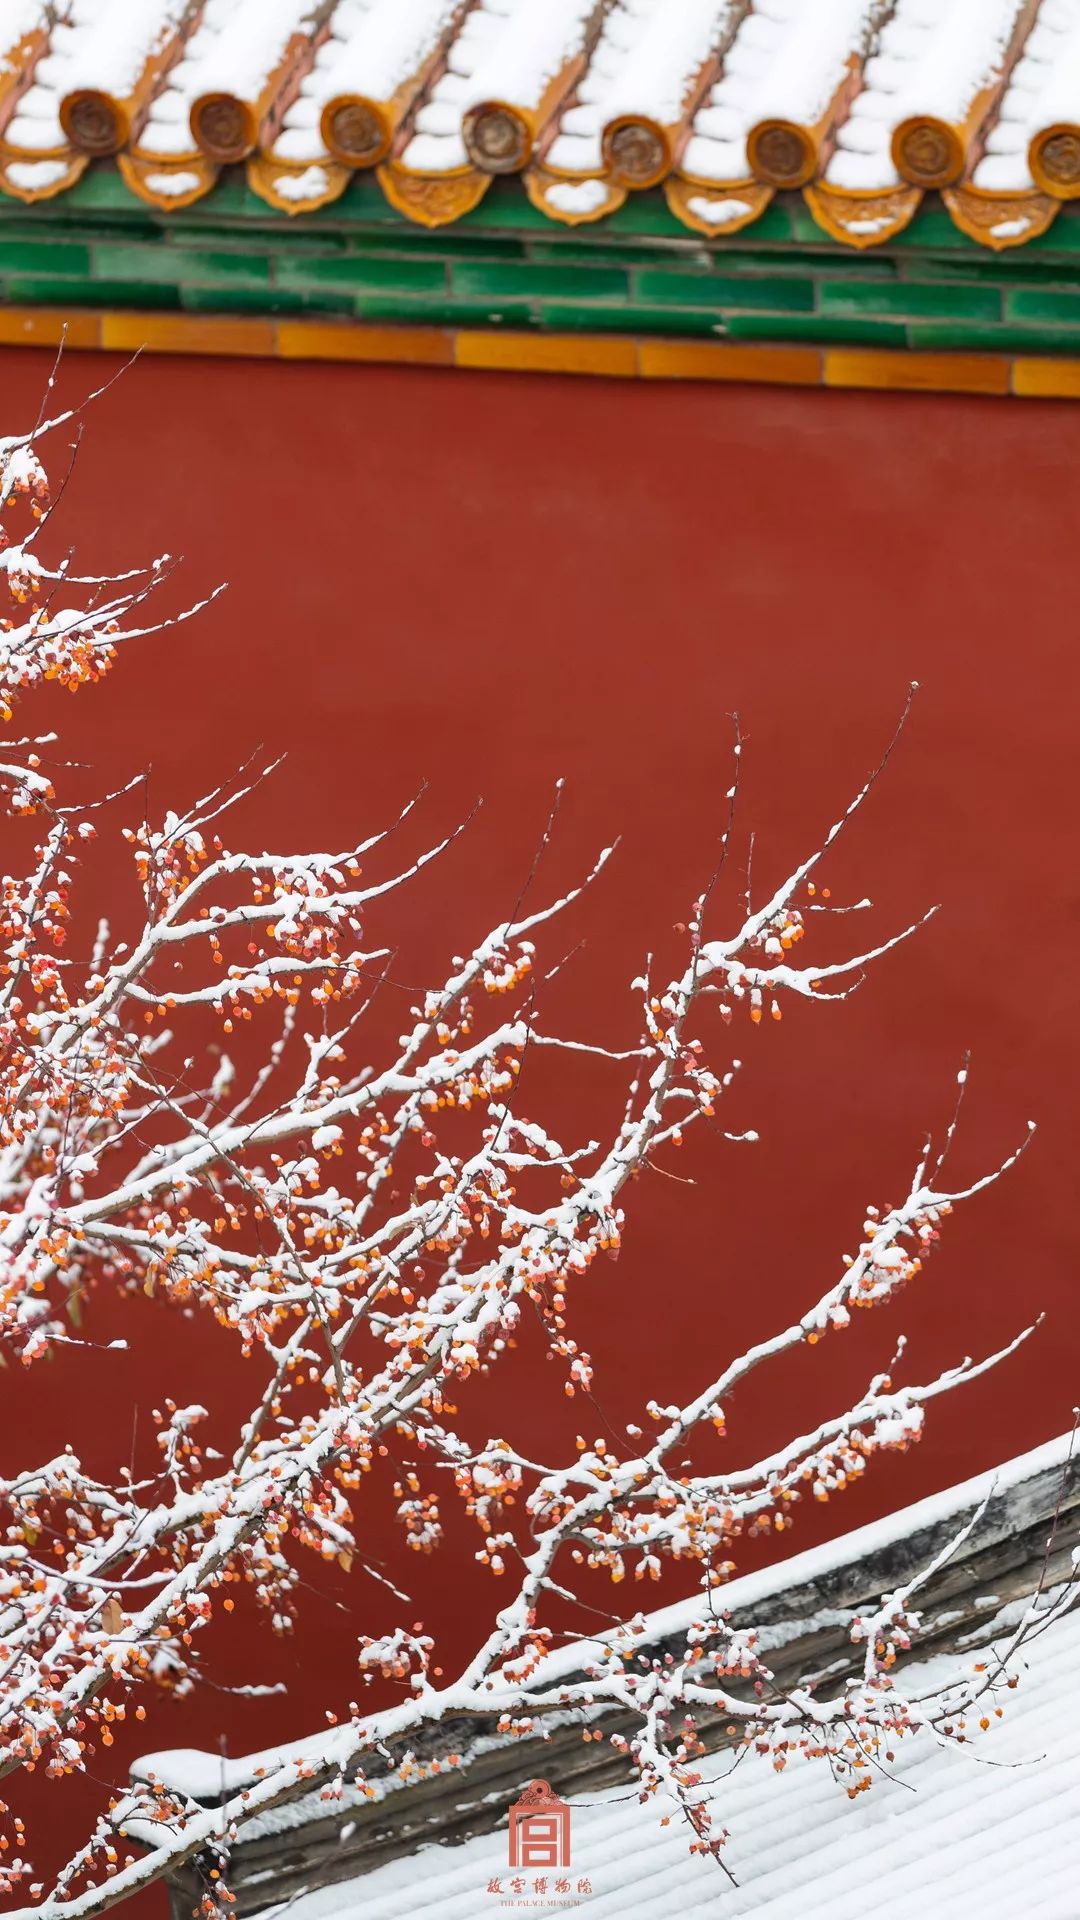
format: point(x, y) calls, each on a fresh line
point(396, 1656)
point(419, 1514)
point(488, 1485)
point(505, 970)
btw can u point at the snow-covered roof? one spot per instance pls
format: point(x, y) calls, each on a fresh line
point(983, 1829)
point(863, 104)
point(798, 1845)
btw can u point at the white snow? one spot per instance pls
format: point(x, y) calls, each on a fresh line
point(1043, 91)
point(507, 50)
point(171, 184)
point(786, 62)
point(644, 63)
point(19, 19)
point(577, 196)
point(303, 186)
point(933, 58)
point(376, 47)
point(718, 213)
point(35, 125)
point(34, 175)
point(107, 43)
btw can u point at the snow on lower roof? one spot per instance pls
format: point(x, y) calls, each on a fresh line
point(724, 102)
point(986, 1829)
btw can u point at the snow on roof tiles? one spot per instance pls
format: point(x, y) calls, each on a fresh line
point(644, 67)
point(787, 63)
point(96, 46)
point(365, 76)
point(1041, 100)
point(864, 104)
point(235, 52)
point(932, 63)
point(506, 56)
point(20, 18)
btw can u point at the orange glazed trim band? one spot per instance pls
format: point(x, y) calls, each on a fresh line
point(616, 356)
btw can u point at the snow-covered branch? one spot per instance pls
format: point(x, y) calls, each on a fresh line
point(371, 1220)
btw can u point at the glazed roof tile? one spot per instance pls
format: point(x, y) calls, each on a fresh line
point(864, 105)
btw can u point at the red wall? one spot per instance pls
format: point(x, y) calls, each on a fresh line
point(489, 582)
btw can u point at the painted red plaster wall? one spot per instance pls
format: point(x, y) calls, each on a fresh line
point(489, 582)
